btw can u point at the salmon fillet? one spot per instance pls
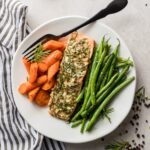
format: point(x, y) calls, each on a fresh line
point(73, 69)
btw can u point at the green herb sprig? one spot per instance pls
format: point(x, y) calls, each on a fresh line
point(140, 94)
point(106, 112)
point(40, 54)
point(117, 145)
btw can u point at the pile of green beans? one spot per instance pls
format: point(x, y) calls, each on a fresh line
point(106, 77)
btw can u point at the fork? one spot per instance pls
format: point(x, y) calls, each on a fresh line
point(113, 7)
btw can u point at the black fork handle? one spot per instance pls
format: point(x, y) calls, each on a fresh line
point(113, 7)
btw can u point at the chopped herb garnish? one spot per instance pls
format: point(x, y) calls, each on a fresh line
point(106, 112)
point(40, 54)
point(117, 145)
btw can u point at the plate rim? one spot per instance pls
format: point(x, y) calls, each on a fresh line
point(51, 21)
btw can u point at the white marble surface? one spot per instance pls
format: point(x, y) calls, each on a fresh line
point(132, 24)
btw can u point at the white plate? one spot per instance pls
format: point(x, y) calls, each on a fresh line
point(38, 117)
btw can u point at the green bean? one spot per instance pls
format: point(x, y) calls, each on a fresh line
point(116, 51)
point(81, 95)
point(85, 113)
point(76, 123)
point(87, 77)
point(100, 97)
point(104, 80)
point(108, 48)
point(94, 77)
point(124, 78)
point(96, 63)
point(98, 52)
point(111, 69)
point(120, 59)
point(101, 46)
point(104, 71)
point(107, 55)
point(77, 115)
point(83, 125)
point(88, 103)
point(106, 76)
point(123, 64)
point(113, 62)
point(116, 70)
point(123, 73)
point(95, 58)
point(106, 101)
point(87, 92)
point(107, 85)
point(105, 59)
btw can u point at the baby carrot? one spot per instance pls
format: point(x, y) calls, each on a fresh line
point(26, 64)
point(33, 72)
point(42, 79)
point(52, 70)
point(43, 67)
point(42, 98)
point(25, 87)
point(53, 57)
point(53, 45)
point(48, 85)
point(32, 94)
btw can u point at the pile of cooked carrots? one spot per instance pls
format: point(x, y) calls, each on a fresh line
point(42, 74)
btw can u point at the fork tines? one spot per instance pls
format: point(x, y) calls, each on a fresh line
point(29, 52)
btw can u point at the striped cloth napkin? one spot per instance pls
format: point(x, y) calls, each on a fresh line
point(15, 133)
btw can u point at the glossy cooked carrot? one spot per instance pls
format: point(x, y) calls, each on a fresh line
point(26, 63)
point(53, 57)
point(42, 98)
point(52, 70)
point(42, 79)
point(33, 72)
point(53, 45)
point(43, 67)
point(32, 94)
point(25, 87)
point(49, 85)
